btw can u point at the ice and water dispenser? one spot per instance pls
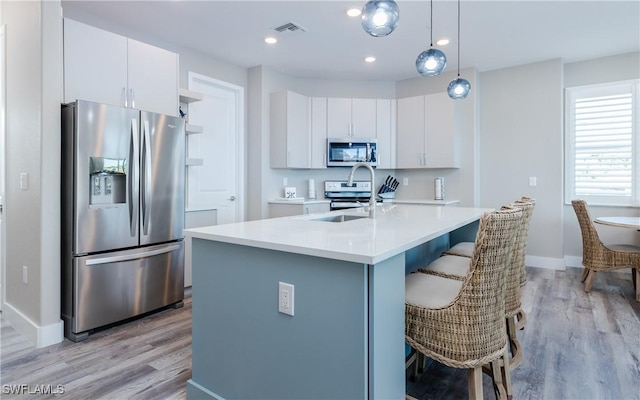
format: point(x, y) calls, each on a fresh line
point(107, 181)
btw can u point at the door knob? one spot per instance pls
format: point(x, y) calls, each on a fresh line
point(232, 198)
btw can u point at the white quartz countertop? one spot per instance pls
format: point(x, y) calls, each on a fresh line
point(423, 201)
point(396, 229)
point(299, 201)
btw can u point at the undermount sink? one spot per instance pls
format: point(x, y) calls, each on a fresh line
point(340, 218)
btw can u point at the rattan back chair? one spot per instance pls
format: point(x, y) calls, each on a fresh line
point(514, 314)
point(469, 332)
point(597, 256)
point(449, 266)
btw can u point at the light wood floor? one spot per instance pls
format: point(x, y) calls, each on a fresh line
point(577, 346)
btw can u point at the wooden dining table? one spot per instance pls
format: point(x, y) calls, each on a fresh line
point(624, 222)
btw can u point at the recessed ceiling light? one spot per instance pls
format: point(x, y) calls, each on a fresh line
point(442, 42)
point(369, 59)
point(270, 40)
point(354, 12)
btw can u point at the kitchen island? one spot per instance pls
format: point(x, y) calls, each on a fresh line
point(345, 338)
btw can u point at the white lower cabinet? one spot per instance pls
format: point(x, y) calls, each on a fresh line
point(427, 135)
point(277, 209)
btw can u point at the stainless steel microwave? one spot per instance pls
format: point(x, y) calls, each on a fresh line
point(347, 152)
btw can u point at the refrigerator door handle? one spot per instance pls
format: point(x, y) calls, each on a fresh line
point(131, 178)
point(146, 177)
point(129, 257)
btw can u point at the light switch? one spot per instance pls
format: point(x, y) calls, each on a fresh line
point(24, 180)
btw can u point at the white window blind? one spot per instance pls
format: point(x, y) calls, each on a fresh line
point(602, 137)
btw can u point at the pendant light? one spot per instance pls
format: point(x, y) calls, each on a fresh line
point(459, 88)
point(380, 17)
point(433, 61)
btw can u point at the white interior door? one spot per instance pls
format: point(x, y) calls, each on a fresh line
point(217, 183)
point(3, 110)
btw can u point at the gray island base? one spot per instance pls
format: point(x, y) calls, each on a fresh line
point(346, 337)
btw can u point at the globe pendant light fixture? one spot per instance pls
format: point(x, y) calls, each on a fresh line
point(458, 88)
point(433, 61)
point(380, 17)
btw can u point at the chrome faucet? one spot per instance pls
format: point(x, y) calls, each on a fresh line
point(372, 199)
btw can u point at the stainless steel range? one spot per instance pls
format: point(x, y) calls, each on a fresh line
point(344, 196)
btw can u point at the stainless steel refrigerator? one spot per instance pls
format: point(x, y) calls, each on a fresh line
point(122, 214)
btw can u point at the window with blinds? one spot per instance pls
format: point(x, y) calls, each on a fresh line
point(602, 137)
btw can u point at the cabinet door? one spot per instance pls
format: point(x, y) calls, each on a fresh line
point(277, 210)
point(441, 144)
point(385, 128)
point(152, 78)
point(318, 132)
point(95, 64)
point(289, 130)
point(339, 118)
point(363, 118)
point(411, 125)
point(316, 208)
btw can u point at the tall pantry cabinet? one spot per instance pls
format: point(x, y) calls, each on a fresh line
point(104, 67)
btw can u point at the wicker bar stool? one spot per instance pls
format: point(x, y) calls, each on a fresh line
point(455, 267)
point(465, 249)
point(597, 256)
point(460, 323)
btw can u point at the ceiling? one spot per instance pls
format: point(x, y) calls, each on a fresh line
point(494, 34)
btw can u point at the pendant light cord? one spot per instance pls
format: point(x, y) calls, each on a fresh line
point(431, 26)
point(458, 38)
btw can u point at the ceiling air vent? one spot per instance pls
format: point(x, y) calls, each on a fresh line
point(289, 27)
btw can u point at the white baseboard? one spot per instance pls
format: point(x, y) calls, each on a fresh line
point(40, 336)
point(573, 261)
point(545, 262)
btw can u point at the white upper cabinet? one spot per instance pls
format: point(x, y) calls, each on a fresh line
point(441, 138)
point(104, 67)
point(426, 135)
point(152, 78)
point(351, 118)
point(318, 132)
point(290, 133)
point(95, 67)
point(386, 133)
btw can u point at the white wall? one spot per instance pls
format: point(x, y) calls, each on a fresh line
point(521, 137)
point(608, 69)
point(32, 216)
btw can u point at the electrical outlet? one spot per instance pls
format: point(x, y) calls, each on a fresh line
point(405, 181)
point(533, 181)
point(24, 274)
point(285, 181)
point(285, 298)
